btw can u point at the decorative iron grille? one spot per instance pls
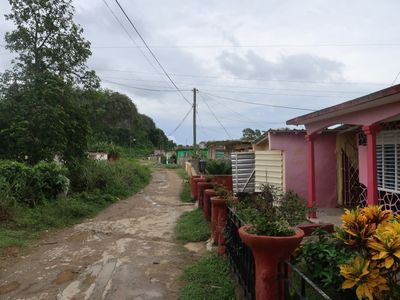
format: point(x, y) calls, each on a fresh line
point(240, 256)
point(297, 286)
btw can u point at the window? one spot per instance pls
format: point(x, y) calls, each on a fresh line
point(388, 160)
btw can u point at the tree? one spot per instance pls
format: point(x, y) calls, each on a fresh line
point(250, 134)
point(48, 42)
point(40, 116)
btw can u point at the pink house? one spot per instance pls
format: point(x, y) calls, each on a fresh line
point(293, 145)
point(367, 150)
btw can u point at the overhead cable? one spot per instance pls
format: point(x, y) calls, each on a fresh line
point(257, 103)
point(151, 52)
point(215, 116)
point(181, 122)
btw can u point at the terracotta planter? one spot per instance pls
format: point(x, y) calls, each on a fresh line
point(219, 213)
point(201, 186)
point(225, 180)
point(195, 181)
point(208, 194)
point(268, 251)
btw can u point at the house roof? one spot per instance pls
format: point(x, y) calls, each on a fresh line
point(228, 143)
point(385, 96)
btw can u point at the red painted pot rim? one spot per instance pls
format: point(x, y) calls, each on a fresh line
point(209, 191)
point(245, 235)
point(218, 200)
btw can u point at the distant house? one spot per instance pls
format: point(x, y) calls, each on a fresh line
point(184, 153)
point(98, 155)
point(366, 144)
point(224, 149)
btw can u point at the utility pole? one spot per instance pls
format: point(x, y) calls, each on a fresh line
point(194, 118)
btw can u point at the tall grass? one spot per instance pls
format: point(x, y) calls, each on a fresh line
point(98, 185)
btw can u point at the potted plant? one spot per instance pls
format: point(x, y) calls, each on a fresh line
point(201, 187)
point(271, 236)
point(221, 170)
point(218, 211)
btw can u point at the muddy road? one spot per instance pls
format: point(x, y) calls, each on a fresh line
point(128, 251)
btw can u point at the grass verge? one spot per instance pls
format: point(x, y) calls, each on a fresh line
point(104, 184)
point(192, 227)
point(208, 279)
point(186, 194)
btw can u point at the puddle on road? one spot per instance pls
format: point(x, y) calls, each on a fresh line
point(64, 276)
point(9, 287)
point(79, 237)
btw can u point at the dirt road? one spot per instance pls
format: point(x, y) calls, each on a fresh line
point(126, 252)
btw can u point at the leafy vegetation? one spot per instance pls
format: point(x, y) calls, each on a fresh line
point(219, 167)
point(186, 193)
point(270, 212)
point(365, 251)
point(249, 134)
point(320, 258)
point(192, 227)
point(208, 279)
point(103, 184)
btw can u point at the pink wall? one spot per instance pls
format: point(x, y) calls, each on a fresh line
point(362, 164)
point(295, 153)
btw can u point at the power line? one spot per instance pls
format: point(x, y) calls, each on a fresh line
point(151, 52)
point(394, 81)
point(271, 94)
point(215, 116)
point(252, 79)
point(238, 86)
point(260, 104)
point(129, 36)
point(201, 46)
point(181, 122)
point(143, 88)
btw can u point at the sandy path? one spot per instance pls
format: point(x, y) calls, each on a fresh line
point(128, 251)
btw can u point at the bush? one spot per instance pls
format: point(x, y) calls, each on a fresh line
point(270, 212)
point(219, 167)
point(33, 185)
point(120, 178)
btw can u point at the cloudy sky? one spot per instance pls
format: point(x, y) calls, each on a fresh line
point(277, 54)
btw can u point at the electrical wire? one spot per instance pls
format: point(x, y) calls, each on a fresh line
point(260, 104)
point(270, 94)
point(215, 116)
point(142, 88)
point(130, 37)
point(394, 81)
point(201, 46)
point(238, 86)
point(151, 52)
point(181, 122)
point(253, 79)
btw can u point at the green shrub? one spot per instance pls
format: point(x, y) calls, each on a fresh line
point(271, 212)
point(36, 184)
point(320, 258)
point(120, 178)
point(219, 167)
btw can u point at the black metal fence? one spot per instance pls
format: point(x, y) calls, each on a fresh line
point(296, 286)
point(240, 256)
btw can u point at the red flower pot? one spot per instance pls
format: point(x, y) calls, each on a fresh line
point(225, 180)
point(201, 186)
point(195, 180)
point(219, 213)
point(208, 194)
point(268, 252)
